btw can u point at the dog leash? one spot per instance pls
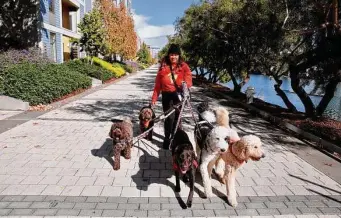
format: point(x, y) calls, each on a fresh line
point(184, 101)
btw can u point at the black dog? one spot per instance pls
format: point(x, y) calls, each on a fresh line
point(146, 118)
point(203, 127)
point(184, 161)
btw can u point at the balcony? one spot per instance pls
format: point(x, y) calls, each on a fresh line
point(69, 15)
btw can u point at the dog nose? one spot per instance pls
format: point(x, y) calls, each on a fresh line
point(222, 150)
point(263, 155)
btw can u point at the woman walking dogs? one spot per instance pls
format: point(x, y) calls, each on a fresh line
point(172, 72)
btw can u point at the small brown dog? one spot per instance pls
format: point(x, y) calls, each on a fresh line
point(146, 118)
point(122, 134)
point(248, 147)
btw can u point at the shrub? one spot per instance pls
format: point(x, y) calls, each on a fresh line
point(41, 84)
point(117, 70)
point(128, 68)
point(90, 70)
point(32, 55)
point(133, 65)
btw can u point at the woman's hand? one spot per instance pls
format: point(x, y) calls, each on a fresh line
point(152, 104)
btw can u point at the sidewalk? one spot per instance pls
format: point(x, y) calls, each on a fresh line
point(56, 165)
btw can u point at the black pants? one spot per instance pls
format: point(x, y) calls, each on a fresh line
point(168, 100)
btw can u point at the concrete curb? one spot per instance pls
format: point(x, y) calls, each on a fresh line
point(321, 144)
point(12, 104)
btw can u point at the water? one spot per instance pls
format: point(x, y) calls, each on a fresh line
point(264, 87)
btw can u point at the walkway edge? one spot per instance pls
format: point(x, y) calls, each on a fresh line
point(321, 144)
point(21, 118)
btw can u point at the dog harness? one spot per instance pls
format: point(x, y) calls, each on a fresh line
point(239, 160)
point(176, 165)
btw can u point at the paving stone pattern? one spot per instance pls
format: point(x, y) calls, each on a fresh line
point(62, 160)
point(35, 205)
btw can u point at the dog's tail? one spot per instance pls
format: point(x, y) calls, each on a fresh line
point(222, 117)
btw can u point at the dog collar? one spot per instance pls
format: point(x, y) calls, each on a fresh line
point(239, 160)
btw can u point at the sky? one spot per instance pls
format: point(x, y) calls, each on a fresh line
point(154, 19)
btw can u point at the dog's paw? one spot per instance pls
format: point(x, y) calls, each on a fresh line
point(116, 167)
point(177, 189)
point(232, 201)
point(209, 195)
point(189, 204)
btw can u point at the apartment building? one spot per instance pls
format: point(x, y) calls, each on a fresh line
point(59, 27)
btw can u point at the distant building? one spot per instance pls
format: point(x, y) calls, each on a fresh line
point(127, 3)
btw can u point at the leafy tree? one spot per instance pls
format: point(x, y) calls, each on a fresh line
point(91, 27)
point(144, 55)
point(129, 35)
point(296, 38)
point(120, 37)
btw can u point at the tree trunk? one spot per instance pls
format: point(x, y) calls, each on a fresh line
point(236, 87)
point(244, 81)
point(328, 95)
point(282, 94)
point(301, 93)
point(202, 73)
point(196, 72)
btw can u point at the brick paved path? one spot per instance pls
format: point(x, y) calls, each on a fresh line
point(59, 164)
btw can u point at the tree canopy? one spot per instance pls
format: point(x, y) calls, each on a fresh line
point(232, 39)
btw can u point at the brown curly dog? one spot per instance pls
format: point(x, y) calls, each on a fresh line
point(122, 134)
point(146, 121)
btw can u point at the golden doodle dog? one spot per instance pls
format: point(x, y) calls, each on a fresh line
point(248, 147)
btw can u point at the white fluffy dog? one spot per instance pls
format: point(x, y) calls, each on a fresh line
point(218, 116)
point(209, 148)
point(248, 147)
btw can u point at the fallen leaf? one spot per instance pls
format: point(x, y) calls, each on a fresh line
point(35, 123)
point(328, 164)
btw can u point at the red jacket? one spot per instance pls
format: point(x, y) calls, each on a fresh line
point(164, 81)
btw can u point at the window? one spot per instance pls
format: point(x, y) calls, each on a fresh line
point(53, 47)
point(51, 5)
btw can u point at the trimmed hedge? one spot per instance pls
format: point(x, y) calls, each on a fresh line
point(115, 68)
point(42, 83)
point(90, 70)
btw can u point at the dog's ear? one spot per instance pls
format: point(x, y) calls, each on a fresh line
point(153, 113)
point(246, 153)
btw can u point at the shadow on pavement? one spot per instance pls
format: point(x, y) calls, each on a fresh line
point(319, 185)
point(106, 110)
point(105, 151)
